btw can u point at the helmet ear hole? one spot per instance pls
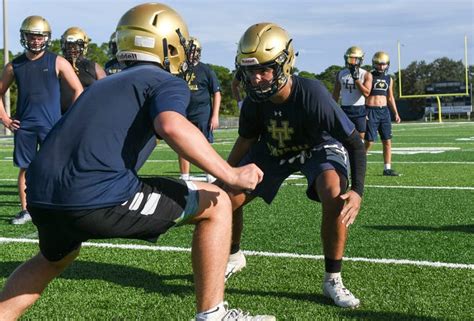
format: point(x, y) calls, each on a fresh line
point(172, 50)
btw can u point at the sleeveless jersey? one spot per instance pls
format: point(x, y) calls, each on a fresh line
point(350, 94)
point(38, 103)
point(380, 84)
point(86, 75)
point(92, 156)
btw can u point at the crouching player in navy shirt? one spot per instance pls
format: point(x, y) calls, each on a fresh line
point(290, 124)
point(83, 184)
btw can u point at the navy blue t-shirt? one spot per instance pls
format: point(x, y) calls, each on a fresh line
point(307, 118)
point(38, 102)
point(203, 83)
point(91, 157)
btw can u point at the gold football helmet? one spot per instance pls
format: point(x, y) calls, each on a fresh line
point(265, 45)
point(74, 42)
point(154, 32)
point(354, 56)
point(381, 58)
point(194, 50)
point(35, 25)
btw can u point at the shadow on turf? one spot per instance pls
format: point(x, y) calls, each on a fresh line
point(468, 228)
point(153, 282)
point(377, 316)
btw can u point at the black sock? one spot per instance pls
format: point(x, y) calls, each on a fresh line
point(234, 248)
point(332, 266)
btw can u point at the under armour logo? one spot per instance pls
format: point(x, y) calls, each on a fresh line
point(277, 113)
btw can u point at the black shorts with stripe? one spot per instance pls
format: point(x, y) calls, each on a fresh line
point(160, 204)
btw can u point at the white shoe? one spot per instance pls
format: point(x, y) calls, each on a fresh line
point(334, 289)
point(233, 314)
point(185, 177)
point(21, 218)
point(236, 263)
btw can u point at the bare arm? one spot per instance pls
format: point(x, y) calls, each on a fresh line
point(392, 104)
point(216, 105)
point(5, 82)
point(188, 141)
point(365, 86)
point(241, 147)
point(65, 71)
point(99, 71)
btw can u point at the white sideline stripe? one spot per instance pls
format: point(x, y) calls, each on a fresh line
point(402, 187)
point(259, 253)
point(424, 187)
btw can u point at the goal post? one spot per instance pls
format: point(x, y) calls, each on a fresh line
point(437, 96)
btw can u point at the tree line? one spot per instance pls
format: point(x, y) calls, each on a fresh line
point(415, 77)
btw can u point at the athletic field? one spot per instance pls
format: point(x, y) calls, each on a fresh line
point(409, 255)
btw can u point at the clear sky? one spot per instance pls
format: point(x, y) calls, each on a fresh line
point(322, 29)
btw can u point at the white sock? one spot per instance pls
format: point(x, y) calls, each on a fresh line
point(215, 313)
point(330, 276)
point(184, 177)
point(387, 166)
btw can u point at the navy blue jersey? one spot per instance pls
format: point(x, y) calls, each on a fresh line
point(380, 84)
point(307, 118)
point(38, 102)
point(91, 157)
point(203, 83)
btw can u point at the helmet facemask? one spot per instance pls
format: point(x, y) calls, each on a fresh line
point(30, 44)
point(265, 90)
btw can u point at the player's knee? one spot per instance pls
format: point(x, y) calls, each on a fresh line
point(213, 202)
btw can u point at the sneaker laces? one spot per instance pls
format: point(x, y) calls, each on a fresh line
point(236, 314)
point(340, 289)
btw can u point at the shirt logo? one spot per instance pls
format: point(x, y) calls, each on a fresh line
point(281, 134)
point(381, 84)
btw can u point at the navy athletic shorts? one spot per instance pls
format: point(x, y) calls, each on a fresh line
point(357, 115)
point(160, 204)
point(27, 142)
point(378, 120)
point(204, 127)
point(326, 156)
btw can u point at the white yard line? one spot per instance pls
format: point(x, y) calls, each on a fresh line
point(259, 253)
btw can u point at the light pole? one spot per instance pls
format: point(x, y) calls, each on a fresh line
point(6, 58)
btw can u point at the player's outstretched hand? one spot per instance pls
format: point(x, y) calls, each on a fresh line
point(351, 207)
point(246, 177)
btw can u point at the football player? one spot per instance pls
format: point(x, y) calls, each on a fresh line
point(37, 73)
point(290, 124)
point(203, 108)
point(83, 184)
point(353, 86)
point(113, 65)
point(74, 43)
point(378, 114)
